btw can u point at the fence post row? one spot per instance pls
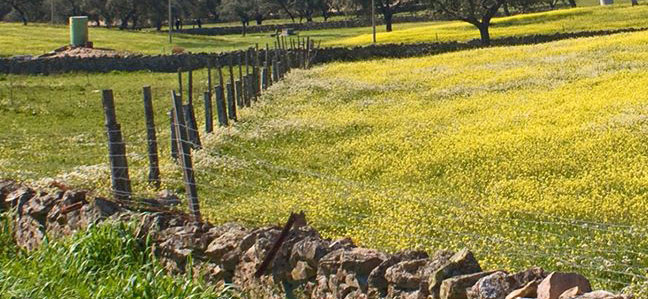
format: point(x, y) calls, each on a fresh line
point(116, 149)
point(154, 170)
point(185, 155)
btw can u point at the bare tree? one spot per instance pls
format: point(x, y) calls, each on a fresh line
point(476, 12)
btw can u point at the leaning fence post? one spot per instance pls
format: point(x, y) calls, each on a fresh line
point(185, 156)
point(116, 148)
point(209, 125)
point(154, 170)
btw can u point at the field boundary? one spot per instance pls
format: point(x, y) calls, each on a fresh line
point(351, 23)
point(191, 61)
point(273, 261)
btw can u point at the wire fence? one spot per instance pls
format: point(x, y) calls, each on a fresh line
point(613, 254)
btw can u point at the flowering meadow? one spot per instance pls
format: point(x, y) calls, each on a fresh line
point(529, 155)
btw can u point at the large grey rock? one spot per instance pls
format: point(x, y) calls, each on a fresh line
point(493, 286)
point(557, 283)
point(462, 262)
point(456, 287)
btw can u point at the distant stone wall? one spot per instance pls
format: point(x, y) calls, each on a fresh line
point(352, 23)
point(171, 63)
point(303, 264)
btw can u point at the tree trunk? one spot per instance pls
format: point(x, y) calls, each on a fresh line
point(572, 3)
point(388, 20)
point(259, 19)
point(483, 32)
point(244, 27)
point(635, 2)
point(22, 14)
point(506, 9)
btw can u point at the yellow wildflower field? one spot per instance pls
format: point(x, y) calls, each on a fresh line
point(532, 155)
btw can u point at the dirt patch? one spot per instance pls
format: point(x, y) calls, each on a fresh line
point(82, 52)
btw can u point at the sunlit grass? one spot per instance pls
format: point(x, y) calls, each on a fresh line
point(532, 155)
point(105, 261)
point(564, 20)
point(36, 39)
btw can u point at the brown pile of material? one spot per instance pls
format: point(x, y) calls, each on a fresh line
point(82, 52)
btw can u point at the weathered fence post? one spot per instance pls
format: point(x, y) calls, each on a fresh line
point(154, 170)
point(209, 125)
point(257, 72)
point(264, 77)
point(231, 102)
point(185, 156)
point(275, 70)
point(220, 107)
point(174, 138)
point(192, 127)
point(239, 93)
point(116, 149)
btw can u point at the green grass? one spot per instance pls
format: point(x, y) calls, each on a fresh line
point(36, 39)
point(105, 261)
point(531, 155)
point(564, 20)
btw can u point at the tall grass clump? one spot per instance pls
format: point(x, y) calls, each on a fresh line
point(106, 261)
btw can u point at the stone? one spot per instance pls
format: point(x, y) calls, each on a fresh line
point(377, 278)
point(530, 290)
point(225, 243)
point(310, 250)
point(493, 286)
point(405, 275)
point(361, 260)
point(303, 271)
point(571, 293)
point(602, 295)
point(524, 277)
point(557, 283)
point(456, 287)
point(462, 262)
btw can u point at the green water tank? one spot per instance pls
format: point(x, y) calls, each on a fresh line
point(78, 31)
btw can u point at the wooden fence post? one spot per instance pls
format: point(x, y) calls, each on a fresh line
point(275, 70)
point(116, 149)
point(191, 126)
point(257, 72)
point(174, 138)
point(239, 93)
point(264, 77)
point(154, 169)
point(209, 125)
point(231, 102)
point(185, 156)
point(220, 107)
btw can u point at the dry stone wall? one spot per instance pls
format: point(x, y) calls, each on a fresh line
point(171, 63)
point(352, 23)
point(305, 264)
